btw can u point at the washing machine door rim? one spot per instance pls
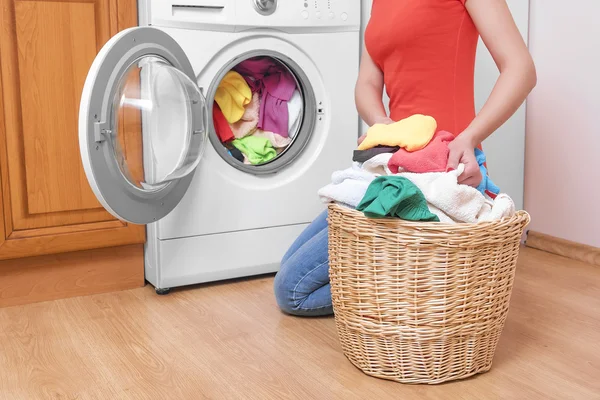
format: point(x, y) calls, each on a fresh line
point(139, 194)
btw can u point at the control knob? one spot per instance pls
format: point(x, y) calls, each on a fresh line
point(265, 7)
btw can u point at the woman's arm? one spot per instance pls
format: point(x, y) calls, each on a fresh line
point(368, 92)
point(517, 78)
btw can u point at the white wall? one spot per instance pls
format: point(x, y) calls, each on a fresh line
point(563, 129)
point(508, 143)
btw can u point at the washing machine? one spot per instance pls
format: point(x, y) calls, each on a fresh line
point(149, 143)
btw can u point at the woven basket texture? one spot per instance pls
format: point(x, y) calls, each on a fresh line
point(421, 302)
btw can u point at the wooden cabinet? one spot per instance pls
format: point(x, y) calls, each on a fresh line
point(46, 49)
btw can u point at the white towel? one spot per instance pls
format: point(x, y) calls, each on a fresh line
point(347, 187)
point(378, 165)
point(446, 198)
point(461, 203)
point(456, 202)
point(441, 215)
point(503, 207)
point(294, 106)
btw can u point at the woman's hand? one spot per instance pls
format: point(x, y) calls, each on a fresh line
point(377, 120)
point(382, 120)
point(462, 151)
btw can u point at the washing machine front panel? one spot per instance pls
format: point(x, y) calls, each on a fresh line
point(224, 199)
point(141, 79)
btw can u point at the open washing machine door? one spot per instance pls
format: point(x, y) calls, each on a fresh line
point(143, 125)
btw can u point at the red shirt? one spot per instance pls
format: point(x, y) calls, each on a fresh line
point(426, 51)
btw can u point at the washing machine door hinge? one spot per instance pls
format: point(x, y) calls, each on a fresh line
point(101, 130)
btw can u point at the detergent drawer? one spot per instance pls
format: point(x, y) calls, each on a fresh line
point(218, 15)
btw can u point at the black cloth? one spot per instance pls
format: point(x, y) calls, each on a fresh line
point(237, 154)
point(363, 155)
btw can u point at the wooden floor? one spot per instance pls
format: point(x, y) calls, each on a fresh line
point(229, 341)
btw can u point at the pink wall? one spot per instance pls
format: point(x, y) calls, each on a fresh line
point(562, 159)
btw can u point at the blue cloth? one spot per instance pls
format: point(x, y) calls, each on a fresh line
point(302, 283)
point(486, 183)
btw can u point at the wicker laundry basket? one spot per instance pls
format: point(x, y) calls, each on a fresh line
point(421, 302)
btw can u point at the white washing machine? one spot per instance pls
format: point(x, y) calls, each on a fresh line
point(210, 216)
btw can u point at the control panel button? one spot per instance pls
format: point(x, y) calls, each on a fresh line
point(331, 15)
point(304, 14)
point(318, 14)
point(344, 16)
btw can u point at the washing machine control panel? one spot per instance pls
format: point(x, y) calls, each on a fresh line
point(323, 14)
point(323, 10)
point(238, 15)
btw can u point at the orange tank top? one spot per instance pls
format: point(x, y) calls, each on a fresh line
point(426, 51)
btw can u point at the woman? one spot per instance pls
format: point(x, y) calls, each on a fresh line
point(423, 51)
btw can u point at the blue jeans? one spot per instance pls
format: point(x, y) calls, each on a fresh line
point(302, 283)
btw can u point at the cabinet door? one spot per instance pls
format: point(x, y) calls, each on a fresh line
point(46, 50)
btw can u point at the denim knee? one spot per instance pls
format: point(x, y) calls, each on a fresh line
point(288, 300)
point(284, 292)
point(304, 271)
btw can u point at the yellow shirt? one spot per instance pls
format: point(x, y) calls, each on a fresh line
point(232, 95)
point(412, 133)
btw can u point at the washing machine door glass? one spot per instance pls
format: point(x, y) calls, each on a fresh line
point(142, 125)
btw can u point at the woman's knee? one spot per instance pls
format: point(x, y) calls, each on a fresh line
point(299, 284)
point(290, 303)
point(284, 289)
